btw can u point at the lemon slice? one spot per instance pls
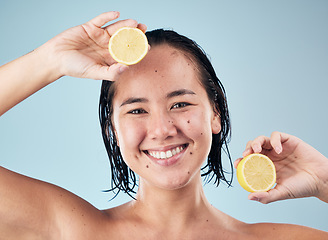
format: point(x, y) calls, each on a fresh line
point(128, 45)
point(256, 173)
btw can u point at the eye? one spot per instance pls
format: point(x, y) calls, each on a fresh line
point(180, 105)
point(137, 111)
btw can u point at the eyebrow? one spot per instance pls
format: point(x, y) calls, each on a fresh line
point(175, 93)
point(179, 92)
point(134, 100)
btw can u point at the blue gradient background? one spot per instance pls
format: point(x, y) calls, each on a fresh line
point(272, 57)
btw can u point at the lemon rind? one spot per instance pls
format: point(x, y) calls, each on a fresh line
point(141, 56)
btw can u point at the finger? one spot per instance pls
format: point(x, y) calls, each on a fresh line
point(104, 18)
point(248, 145)
point(257, 143)
point(142, 27)
point(268, 197)
point(236, 162)
point(275, 140)
point(110, 73)
point(111, 29)
point(248, 150)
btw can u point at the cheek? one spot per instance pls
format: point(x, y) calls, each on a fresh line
point(130, 138)
point(197, 125)
point(130, 134)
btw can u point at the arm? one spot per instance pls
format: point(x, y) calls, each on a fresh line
point(30, 208)
point(22, 77)
point(301, 169)
point(81, 52)
point(33, 209)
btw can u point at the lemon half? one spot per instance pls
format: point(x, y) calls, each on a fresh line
point(256, 173)
point(128, 45)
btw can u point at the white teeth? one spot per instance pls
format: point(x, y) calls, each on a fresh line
point(163, 155)
point(169, 154)
point(166, 154)
point(179, 149)
point(174, 152)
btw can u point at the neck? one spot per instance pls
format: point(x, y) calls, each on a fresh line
point(172, 206)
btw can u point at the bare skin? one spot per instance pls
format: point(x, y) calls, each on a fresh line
point(169, 205)
point(301, 170)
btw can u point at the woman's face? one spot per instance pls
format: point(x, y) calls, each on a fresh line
point(163, 119)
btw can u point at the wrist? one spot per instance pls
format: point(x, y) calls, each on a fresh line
point(323, 180)
point(323, 192)
point(45, 65)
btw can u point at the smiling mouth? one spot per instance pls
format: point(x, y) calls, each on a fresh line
point(161, 155)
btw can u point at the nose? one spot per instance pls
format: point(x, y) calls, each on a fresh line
point(161, 126)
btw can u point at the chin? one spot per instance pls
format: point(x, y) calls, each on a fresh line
point(176, 182)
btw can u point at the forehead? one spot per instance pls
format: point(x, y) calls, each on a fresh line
point(164, 68)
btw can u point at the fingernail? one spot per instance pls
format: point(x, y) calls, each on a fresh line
point(278, 150)
point(123, 68)
point(247, 151)
point(257, 148)
point(255, 199)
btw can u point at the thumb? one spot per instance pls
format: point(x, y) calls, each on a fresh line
point(268, 197)
point(110, 73)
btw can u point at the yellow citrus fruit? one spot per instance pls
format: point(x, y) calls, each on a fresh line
point(128, 45)
point(256, 173)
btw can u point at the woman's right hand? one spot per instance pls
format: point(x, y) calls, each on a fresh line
point(301, 169)
point(82, 51)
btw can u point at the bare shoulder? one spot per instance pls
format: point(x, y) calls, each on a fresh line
point(30, 207)
point(285, 231)
point(75, 217)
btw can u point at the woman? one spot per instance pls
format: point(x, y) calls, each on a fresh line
point(163, 135)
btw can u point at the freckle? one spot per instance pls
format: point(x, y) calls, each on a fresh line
point(188, 172)
point(206, 220)
point(201, 133)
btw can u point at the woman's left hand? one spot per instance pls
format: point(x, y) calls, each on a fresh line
point(301, 169)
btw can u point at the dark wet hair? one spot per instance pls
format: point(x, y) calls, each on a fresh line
point(123, 178)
